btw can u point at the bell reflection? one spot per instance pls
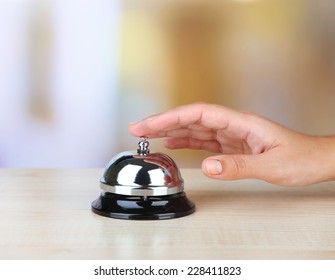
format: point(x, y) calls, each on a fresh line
point(168, 167)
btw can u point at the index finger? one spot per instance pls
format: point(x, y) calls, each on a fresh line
point(208, 115)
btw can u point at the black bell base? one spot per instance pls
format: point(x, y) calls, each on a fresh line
point(143, 208)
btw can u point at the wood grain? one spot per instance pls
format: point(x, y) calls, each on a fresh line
point(45, 214)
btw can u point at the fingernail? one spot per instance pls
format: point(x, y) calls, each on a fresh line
point(146, 119)
point(213, 167)
point(152, 117)
point(132, 123)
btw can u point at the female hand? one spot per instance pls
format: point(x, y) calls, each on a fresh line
point(248, 145)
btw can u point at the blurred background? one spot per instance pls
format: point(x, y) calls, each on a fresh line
point(74, 73)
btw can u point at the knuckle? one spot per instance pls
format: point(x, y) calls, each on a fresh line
point(237, 167)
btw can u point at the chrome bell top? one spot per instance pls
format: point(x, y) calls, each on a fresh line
point(142, 174)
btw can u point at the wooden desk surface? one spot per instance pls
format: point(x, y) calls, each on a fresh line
point(45, 214)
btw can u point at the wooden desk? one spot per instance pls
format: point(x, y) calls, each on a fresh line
point(45, 214)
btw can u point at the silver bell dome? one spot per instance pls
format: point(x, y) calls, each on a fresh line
point(152, 175)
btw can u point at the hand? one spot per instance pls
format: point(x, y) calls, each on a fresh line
point(248, 145)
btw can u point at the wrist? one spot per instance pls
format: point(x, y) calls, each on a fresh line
point(326, 156)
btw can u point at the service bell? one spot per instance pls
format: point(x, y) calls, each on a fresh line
point(142, 186)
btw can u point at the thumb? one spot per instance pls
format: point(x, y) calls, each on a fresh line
point(233, 167)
